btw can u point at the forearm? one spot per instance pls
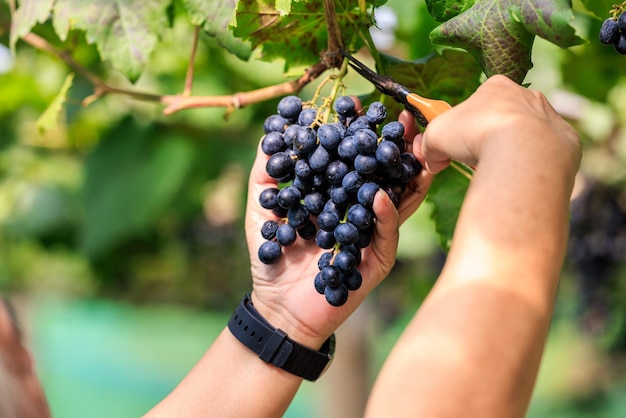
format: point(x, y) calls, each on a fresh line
point(475, 346)
point(230, 381)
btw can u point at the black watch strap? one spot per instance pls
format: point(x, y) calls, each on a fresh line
point(275, 347)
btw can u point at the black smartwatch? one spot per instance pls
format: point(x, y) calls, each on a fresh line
point(275, 347)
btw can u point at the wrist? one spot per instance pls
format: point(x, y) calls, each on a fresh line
point(275, 347)
point(282, 318)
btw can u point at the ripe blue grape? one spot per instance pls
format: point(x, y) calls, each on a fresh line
point(286, 235)
point(307, 117)
point(387, 153)
point(336, 296)
point(268, 199)
point(275, 123)
point(279, 165)
point(314, 202)
point(319, 284)
point(347, 149)
point(346, 233)
point(339, 195)
point(352, 181)
point(308, 230)
point(393, 131)
point(319, 159)
point(331, 276)
point(365, 164)
point(345, 106)
point(365, 141)
point(269, 252)
point(328, 220)
point(272, 143)
point(289, 107)
point(268, 230)
point(353, 280)
point(609, 31)
point(360, 216)
point(376, 113)
point(345, 262)
point(298, 216)
point(325, 259)
point(305, 141)
point(329, 136)
point(366, 194)
point(288, 197)
point(336, 171)
point(325, 239)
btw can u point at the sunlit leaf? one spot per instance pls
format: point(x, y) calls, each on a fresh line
point(125, 31)
point(27, 15)
point(50, 117)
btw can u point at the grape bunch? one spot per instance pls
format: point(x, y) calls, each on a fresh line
point(613, 31)
point(330, 173)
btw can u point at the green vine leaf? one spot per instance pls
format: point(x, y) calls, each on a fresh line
point(125, 31)
point(28, 14)
point(442, 10)
point(298, 36)
point(50, 117)
point(214, 16)
point(500, 33)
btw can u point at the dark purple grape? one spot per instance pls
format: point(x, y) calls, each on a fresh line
point(268, 199)
point(360, 217)
point(352, 181)
point(325, 259)
point(621, 22)
point(409, 158)
point(275, 123)
point(620, 45)
point(319, 159)
point(269, 252)
point(319, 284)
point(272, 143)
point(609, 32)
point(339, 195)
point(331, 276)
point(304, 185)
point(394, 171)
point(387, 153)
point(393, 194)
point(325, 239)
point(280, 211)
point(359, 123)
point(307, 117)
point(376, 113)
point(365, 141)
point(289, 107)
point(279, 165)
point(290, 134)
point(298, 216)
point(336, 171)
point(347, 149)
point(329, 136)
point(366, 194)
point(314, 202)
point(345, 106)
point(268, 230)
point(346, 233)
point(305, 141)
point(353, 280)
point(353, 249)
point(289, 197)
point(319, 181)
point(393, 131)
point(345, 262)
point(365, 163)
point(307, 231)
point(336, 296)
point(328, 220)
point(365, 237)
point(286, 235)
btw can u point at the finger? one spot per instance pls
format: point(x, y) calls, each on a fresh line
point(386, 233)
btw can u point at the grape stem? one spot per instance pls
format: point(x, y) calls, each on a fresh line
point(176, 102)
point(460, 168)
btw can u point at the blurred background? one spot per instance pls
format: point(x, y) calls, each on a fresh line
point(121, 230)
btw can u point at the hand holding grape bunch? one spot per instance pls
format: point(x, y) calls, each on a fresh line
point(312, 213)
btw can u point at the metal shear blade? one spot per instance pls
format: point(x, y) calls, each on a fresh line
point(423, 109)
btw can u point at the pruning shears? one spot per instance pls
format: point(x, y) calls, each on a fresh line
point(425, 110)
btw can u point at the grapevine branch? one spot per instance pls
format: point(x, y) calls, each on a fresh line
point(176, 102)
